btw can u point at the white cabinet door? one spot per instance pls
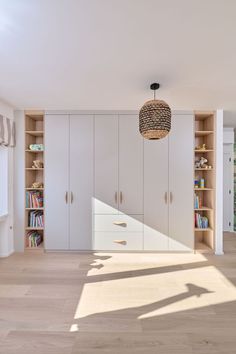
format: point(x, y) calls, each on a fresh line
point(81, 181)
point(181, 179)
point(56, 182)
point(130, 166)
point(106, 164)
point(228, 176)
point(156, 194)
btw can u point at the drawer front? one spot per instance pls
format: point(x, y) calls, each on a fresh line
point(118, 223)
point(118, 241)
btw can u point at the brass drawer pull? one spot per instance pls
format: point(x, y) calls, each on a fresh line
point(120, 223)
point(121, 242)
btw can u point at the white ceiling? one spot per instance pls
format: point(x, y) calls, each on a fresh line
point(103, 54)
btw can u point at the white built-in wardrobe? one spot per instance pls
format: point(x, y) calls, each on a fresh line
point(107, 188)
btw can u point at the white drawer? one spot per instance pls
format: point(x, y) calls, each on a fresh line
point(118, 223)
point(118, 241)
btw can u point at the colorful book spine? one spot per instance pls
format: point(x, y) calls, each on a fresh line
point(201, 222)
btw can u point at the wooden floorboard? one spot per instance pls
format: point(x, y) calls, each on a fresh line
point(60, 303)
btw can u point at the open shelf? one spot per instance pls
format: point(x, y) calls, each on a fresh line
point(34, 197)
point(205, 215)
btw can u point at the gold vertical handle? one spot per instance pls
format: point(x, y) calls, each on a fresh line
point(71, 197)
point(66, 197)
point(116, 197)
point(121, 197)
point(171, 197)
point(165, 197)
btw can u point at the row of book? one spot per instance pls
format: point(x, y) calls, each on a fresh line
point(197, 201)
point(36, 218)
point(34, 239)
point(201, 222)
point(34, 199)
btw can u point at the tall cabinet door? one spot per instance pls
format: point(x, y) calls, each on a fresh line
point(130, 166)
point(57, 182)
point(156, 218)
point(181, 178)
point(106, 164)
point(81, 181)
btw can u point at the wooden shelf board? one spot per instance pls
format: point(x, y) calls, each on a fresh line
point(33, 189)
point(34, 132)
point(203, 230)
point(203, 189)
point(203, 115)
point(201, 247)
point(203, 132)
point(34, 208)
point(203, 151)
point(34, 228)
point(35, 151)
point(204, 169)
point(34, 169)
point(203, 208)
point(39, 248)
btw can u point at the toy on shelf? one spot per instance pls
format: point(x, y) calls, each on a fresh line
point(202, 164)
point(37, 164)
point(37, 185)
point(199, 183)
point(201, 147)
point(36, 147)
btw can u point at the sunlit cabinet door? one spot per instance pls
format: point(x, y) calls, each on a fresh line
point(181, 178)
point(156, 195)
point(81, 181)
point(106, 164)
point(130, 166)
point(56, 182)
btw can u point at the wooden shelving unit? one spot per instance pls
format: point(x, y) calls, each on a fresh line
point(205, 134)
point(34, 134)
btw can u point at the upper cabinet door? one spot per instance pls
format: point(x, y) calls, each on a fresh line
point(181, 179)
point(81, 181)
point(156, 218)
point(106, 164)
point(130, 166)
point(57, 182)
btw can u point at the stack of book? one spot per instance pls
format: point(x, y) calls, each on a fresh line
point(201, 222)
point(36, 218)
point(34, 239)
point(34, 199)
point(197, 202)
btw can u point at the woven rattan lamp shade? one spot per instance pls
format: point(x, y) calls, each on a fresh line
point(154, 119)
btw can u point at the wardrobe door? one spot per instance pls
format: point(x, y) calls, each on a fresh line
point(106, 164)
point(81, 181)
point(57, 182)
point(130, 166)
point(181, 177)
point(156, 195)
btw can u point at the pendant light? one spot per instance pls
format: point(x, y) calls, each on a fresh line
point(154, 117)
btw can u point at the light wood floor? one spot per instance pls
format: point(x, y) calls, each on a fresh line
point(118, 303)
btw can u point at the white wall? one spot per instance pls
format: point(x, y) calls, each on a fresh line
point(6, 225)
